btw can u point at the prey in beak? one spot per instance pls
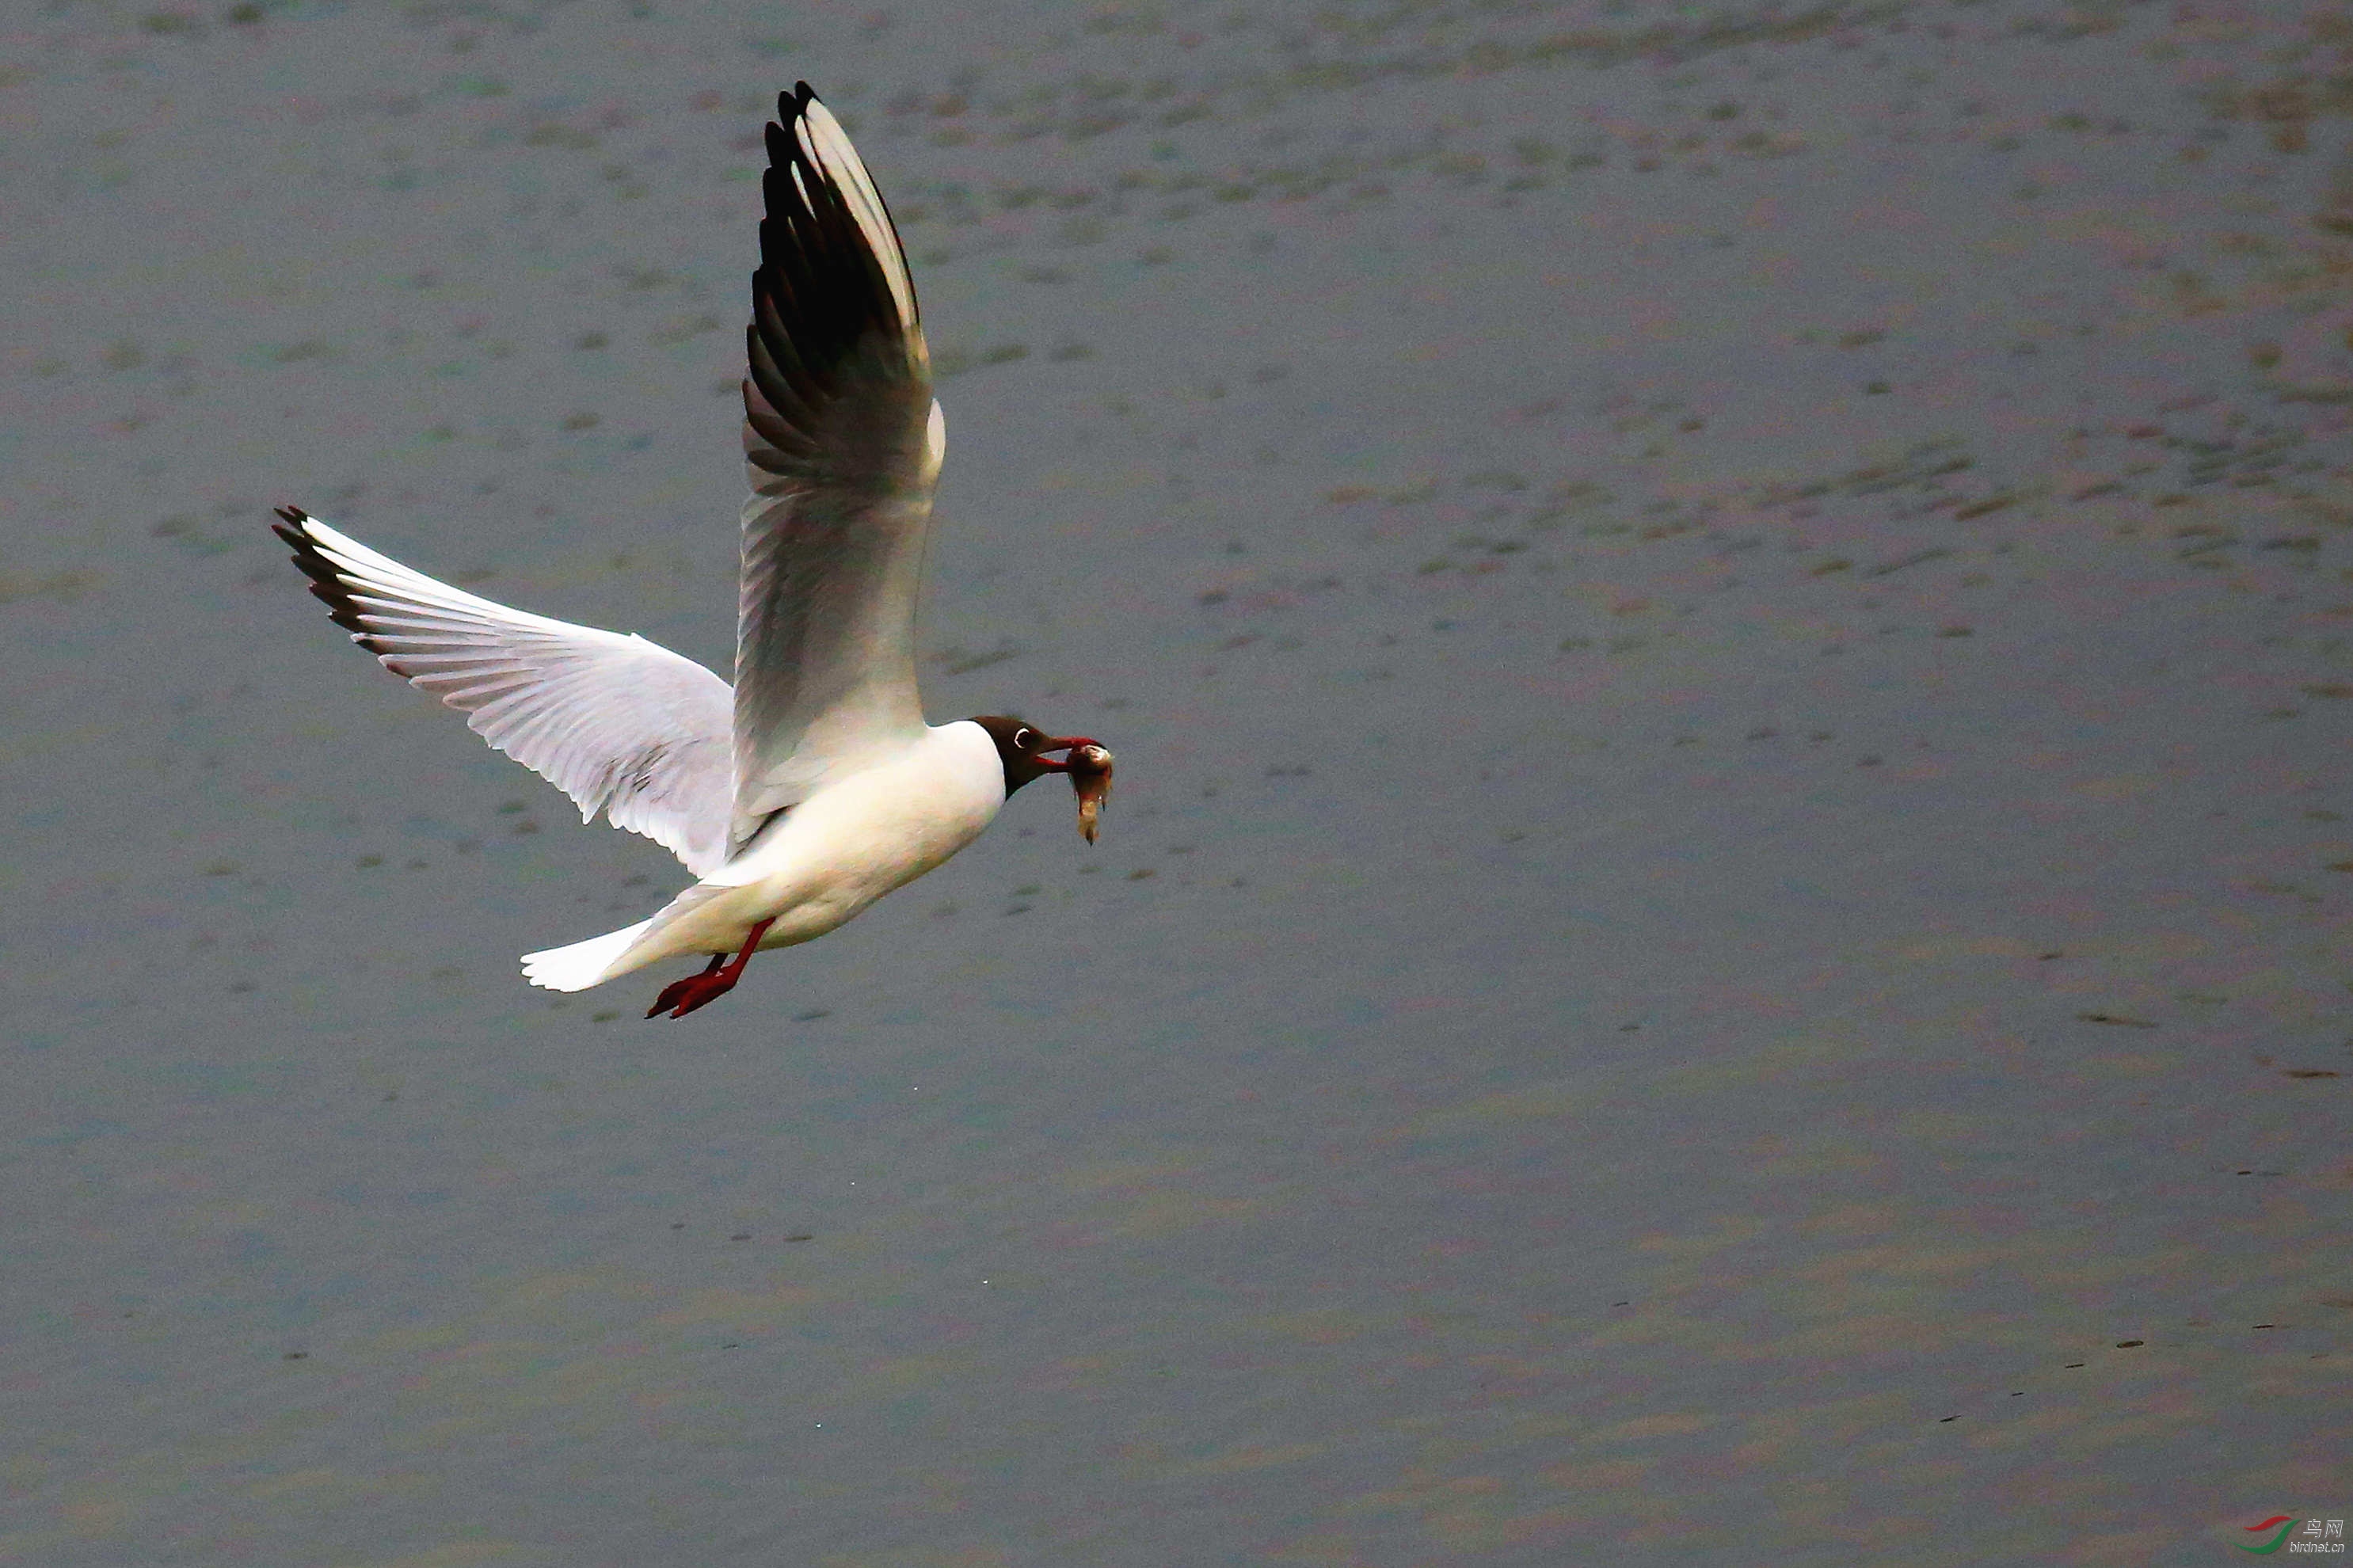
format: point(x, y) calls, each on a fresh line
point(1090, 769)
point(1027, 753)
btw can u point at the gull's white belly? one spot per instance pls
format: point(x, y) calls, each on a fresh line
point(853, 841)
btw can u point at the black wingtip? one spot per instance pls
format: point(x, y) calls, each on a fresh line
point(824, 307)
point(326, 583)
point(291, 530)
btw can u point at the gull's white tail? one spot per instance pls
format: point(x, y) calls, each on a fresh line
point(582, 965)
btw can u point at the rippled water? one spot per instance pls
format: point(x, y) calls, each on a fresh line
point(1723, 934)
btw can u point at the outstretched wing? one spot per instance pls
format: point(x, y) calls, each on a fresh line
point(842, 441)
point(621, 725)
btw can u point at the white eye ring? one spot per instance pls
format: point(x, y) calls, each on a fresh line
point(1025, 737)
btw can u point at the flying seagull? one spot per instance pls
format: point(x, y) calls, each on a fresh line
point(814, 787)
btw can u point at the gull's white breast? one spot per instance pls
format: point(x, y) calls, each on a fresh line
point(859, 837)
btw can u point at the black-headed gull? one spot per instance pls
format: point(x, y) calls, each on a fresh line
point(814, 787)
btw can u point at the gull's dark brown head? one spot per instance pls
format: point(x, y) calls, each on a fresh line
point(1027, 753)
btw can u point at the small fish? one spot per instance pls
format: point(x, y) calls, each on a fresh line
point(1090, 770)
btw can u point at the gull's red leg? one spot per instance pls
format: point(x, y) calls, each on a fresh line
point(702, 990)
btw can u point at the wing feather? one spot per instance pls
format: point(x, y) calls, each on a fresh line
point(841, 443)
point(621, 725)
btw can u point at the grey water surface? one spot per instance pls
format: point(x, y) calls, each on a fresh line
point(1723, 934)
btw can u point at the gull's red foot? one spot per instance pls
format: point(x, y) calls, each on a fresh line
point(680, 997)
point(683, 996)
point(674, 994)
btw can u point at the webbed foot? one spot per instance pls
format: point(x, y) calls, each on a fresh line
point(680, 997)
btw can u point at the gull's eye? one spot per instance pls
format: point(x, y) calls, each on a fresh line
point(1025, 737)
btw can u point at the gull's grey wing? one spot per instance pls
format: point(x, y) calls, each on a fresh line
point(621, 725)
point(843, 442)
